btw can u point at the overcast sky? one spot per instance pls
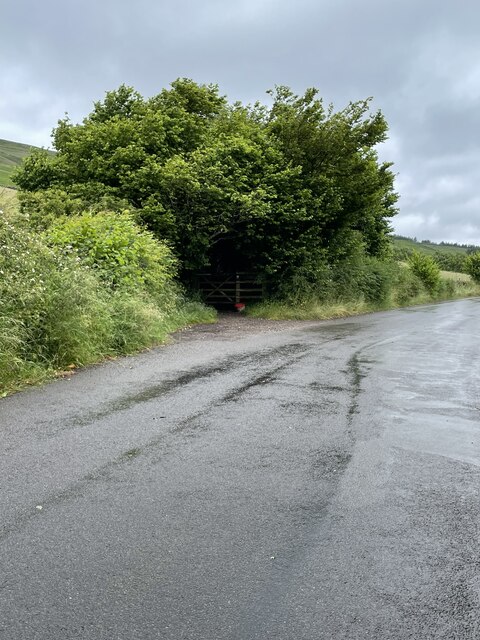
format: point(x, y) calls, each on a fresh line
point(419, 59)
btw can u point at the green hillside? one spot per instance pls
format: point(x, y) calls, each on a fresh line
point(425, 246)
point(11, 155)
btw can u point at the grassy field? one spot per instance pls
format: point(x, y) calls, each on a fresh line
point(8, 197)
point(11, 155)
point(456, 277)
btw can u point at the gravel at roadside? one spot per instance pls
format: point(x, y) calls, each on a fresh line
point(234, 326)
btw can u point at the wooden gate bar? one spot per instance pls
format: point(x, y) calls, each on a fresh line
point(229, 289)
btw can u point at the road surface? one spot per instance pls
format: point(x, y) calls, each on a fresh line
point(299, 481)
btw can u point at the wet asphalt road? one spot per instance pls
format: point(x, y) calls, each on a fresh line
point(297, 481)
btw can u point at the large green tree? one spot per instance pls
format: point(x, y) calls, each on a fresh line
point(339, 160)
point(279, 188)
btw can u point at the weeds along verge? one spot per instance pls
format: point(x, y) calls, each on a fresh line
point(365, 286)
point(86, 288)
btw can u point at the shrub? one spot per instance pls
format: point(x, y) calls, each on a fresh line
point(361, 278)
point(425, 268)
point(379, 278)
point(447, 288)
point(472, 266)
point(77, 324)
point(56, 312)
point(450, 261)
point(45, 207)
point(305, 283)
point(125, 256)
point(53, 311)
point(407, 286)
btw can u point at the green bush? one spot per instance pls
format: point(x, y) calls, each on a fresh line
point(407, 286)
point(360, 278)
point(450, 261)
point(425, 268)
point(368, 278)
point(45, 207)
point(124, 255)
point(53, 312)
point(304, 283)
point(472, 266)
point(378, 280)
point(447, 289)
point(57, 312)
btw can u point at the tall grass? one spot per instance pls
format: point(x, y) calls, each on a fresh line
point(58, 311)
point(392, 286)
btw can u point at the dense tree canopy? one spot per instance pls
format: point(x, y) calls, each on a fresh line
point(277, 188)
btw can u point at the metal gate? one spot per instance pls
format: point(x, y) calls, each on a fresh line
point(228, 290)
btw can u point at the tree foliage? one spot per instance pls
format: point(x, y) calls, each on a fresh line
point(123, 255)
point(472, 266)
point(426, 269)
point(278, 188)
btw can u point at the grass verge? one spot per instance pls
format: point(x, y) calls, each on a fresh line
point(453, 286)
point(122, 326)
point(58, 312)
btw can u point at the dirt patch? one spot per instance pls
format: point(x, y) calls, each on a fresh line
point(234, 326)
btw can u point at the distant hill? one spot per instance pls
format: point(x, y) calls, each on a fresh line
point(425, 246)
point(11, 155)
point(448, 255)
